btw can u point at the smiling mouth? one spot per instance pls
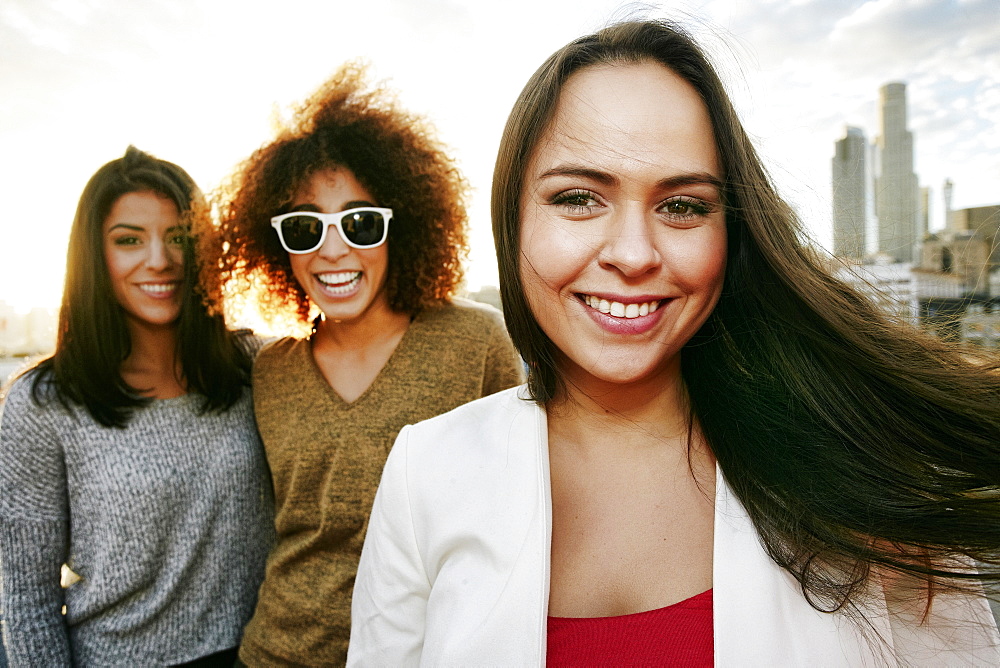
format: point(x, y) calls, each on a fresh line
point(618, 309)
point(339, 281)
point(159, 289)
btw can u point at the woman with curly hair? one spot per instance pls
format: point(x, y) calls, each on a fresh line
point(353, 218)
point(723, 456)
point(131, 455)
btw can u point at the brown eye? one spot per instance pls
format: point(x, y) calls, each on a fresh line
point(685, 208)
point(577, 201)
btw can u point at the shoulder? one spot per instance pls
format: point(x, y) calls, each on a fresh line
point(18, 389)
point(31, 436)
point(248, 341)
point(21, 393)
point(284, 368)
point(281, 352)
point(475, 432)
point(483, 464)
point(463, 317)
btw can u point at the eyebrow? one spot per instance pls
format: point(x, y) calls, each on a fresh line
point(586, 172)
point(692, 178)
point(127, 226)
point(140, 228)
point(605, 178)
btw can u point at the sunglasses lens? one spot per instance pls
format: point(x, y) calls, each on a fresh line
point(302, 233)
point(364, 228)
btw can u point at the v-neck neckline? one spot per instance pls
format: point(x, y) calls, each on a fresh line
point(334, 395)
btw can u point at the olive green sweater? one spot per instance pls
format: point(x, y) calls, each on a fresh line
point(326, 459)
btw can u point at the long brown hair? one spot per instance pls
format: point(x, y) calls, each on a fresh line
point(851, 440)
point(93, 338)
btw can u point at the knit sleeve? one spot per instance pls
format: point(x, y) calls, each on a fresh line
point(33, 531)
point(503, 367)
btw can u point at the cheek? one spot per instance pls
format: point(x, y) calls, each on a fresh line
point(701, 266)
point(117, 263)
point(300, 267)
point(552, 255)
point(531, 267)
point(177, 256)
point(376, 262)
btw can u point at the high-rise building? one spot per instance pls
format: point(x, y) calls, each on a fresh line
point(946, 190)
point(923, 215)
point(896, 194)
point(850, 194)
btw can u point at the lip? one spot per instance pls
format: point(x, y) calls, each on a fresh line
point(342, 289)
point(163, 290)
point(622, 325)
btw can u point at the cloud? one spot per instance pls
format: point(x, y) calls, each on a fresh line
point(910, 36)
point(196, 81)
point(53, 49)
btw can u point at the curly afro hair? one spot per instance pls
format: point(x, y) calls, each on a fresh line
point(350, 124)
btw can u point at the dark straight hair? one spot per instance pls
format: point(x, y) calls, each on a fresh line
point(93, 338)
point(852, 440)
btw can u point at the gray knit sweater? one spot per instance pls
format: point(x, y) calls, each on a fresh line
point(167, 522)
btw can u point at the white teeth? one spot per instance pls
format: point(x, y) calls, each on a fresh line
point(338, 277)
point(620, 310)
point(339, 281)
point(158, 288)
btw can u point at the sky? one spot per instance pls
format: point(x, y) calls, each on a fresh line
point(200, 83)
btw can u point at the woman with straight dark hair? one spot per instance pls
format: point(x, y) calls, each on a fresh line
point(722, 455)
point(353, 219)
point(130, 459)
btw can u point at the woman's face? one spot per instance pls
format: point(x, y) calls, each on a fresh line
point(623, 237)
point(143, 242)
point(345, 283)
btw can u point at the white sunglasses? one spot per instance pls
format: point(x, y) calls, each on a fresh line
point(305, 231)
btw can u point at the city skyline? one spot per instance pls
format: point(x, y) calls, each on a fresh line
point(878, 205)
point(198, 84)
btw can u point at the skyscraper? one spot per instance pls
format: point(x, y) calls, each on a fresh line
point(849, 194)
point(947, 189)
point(896, 194)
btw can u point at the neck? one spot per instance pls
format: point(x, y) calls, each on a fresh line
point(592, 412)
point(153, 346)
point(153, 367)
point(371, 329)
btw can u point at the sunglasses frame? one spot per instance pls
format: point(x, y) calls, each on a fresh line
point(332, 220)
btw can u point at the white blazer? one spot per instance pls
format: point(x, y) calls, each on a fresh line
point(455, 566)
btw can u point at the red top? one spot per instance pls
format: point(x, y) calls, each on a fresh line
point(677, 635)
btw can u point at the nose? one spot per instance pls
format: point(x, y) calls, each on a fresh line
point(161, 257)
point(630, 242)
point(333, 247)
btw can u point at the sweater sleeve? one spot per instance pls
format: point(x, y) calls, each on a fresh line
point(389, 605)
point(33, 532)
point(503, 367)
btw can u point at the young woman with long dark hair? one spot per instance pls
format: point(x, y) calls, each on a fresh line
point(130, 456)
point(352, 218)
point(722, 455)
